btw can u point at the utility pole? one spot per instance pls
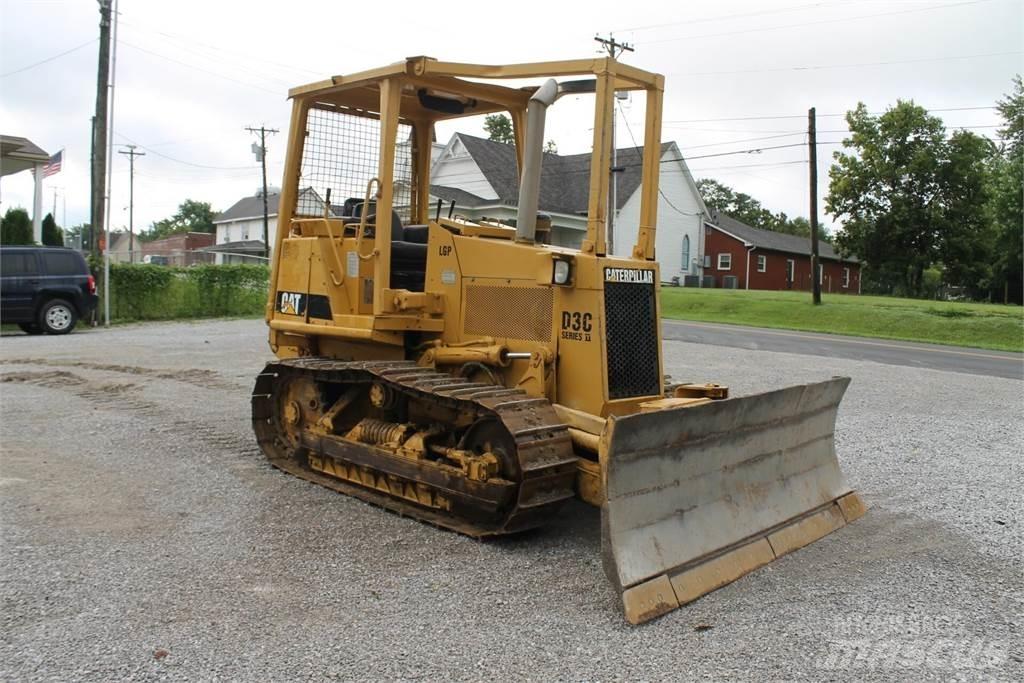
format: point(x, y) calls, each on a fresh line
point(92, 187)
point(261, 155)
point(110, 178)
point(812, 142)
point(99, 129)
point(614, 49)
point(131, 153)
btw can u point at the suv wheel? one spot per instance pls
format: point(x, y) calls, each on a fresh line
point(30, 328)
point(57, 317)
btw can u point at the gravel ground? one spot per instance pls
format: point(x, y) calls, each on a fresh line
point(143, 537)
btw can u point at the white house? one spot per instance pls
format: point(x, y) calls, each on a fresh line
point(481, 177)
point(239, 229)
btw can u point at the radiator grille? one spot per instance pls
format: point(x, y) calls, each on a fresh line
point(509, 312)
point(631, 336)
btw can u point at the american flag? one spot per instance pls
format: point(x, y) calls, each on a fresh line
point(53, 165)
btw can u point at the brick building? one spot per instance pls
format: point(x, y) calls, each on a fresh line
point(742, 257)
point(181, 249)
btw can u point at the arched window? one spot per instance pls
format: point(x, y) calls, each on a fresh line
point(686, 253)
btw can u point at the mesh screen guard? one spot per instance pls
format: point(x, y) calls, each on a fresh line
point(341, 152)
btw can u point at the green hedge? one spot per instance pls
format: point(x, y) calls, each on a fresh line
point(150, 292)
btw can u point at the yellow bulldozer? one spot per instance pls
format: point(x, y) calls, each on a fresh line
point(469, 374)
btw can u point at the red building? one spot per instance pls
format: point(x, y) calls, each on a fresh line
point(181, 249)
point(742, 257)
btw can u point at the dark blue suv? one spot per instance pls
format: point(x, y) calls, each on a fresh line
point(44, 289)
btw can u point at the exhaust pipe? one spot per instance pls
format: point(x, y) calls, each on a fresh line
point(529, 182)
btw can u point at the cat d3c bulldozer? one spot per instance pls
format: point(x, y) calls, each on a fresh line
point(468, 373)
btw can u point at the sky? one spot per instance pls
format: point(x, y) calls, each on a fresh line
point(740, 75)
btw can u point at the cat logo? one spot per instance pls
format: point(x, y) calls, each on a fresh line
point(292, 303)
point(631, 275)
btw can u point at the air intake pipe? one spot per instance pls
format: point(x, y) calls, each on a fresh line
point(529, 182)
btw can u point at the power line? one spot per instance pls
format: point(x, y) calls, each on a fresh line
point(815, 23)
point(234, 64)
point(636, 148)
point(181, 161)
point(846, 66)
point(755, 150)
point(803, 116)
point(704, 20)
point(757, 139)
point(181, 38)
point(724, 168)
point(49, 59)
point(199, 68)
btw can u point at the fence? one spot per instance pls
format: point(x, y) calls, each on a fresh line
point(189, 257)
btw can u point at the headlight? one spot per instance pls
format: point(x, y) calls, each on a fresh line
point(561, 275)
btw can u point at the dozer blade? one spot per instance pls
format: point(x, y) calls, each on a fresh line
point(699, 496)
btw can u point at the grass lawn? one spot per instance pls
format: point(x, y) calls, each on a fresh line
point(987, 326)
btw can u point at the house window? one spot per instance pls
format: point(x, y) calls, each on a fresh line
point(790, 270)
point(707, 260)
point(686, 253)
point(846, 277)
point(821, 274)
point(762, 263)
point(724, 261)
point(245, 232)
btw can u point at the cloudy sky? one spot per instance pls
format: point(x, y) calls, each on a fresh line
point(740, 74)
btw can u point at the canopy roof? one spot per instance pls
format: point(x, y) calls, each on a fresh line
point(19, 154)
point(426, 76)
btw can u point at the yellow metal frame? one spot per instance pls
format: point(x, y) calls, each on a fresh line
point(388, 90)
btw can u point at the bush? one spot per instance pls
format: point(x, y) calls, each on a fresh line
point(16, 227)
point(150, 292)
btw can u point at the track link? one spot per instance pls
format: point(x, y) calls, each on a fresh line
point(544, 457)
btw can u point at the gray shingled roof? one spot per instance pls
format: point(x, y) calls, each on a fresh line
point(252, 207)
point(777, 241)
point(565, 180)
point(461, 197)
point(249, 207)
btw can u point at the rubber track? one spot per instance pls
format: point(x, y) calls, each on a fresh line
point(544, 448)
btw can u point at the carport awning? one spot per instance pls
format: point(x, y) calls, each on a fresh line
point(19, 154)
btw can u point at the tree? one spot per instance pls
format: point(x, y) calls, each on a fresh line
point(192, 216)
point(1012, 111)
point(52, 235)
point(551, 147)
point(910, 198)
point(16, 227)
point(1006, 205)
point(499, 128)
point(746, 209)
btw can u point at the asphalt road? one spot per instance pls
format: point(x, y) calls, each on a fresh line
point(933, 356)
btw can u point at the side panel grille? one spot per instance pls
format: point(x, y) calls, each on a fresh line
point(509, 312)
point(632, 340)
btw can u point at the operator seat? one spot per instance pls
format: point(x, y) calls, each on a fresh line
point(408, 246)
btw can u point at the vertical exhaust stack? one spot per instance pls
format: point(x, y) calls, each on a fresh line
point(529, 182)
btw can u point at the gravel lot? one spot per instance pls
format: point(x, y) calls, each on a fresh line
point(143, 537)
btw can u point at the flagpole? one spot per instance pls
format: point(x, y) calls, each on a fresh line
point(64, 202)
point(110, 168)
